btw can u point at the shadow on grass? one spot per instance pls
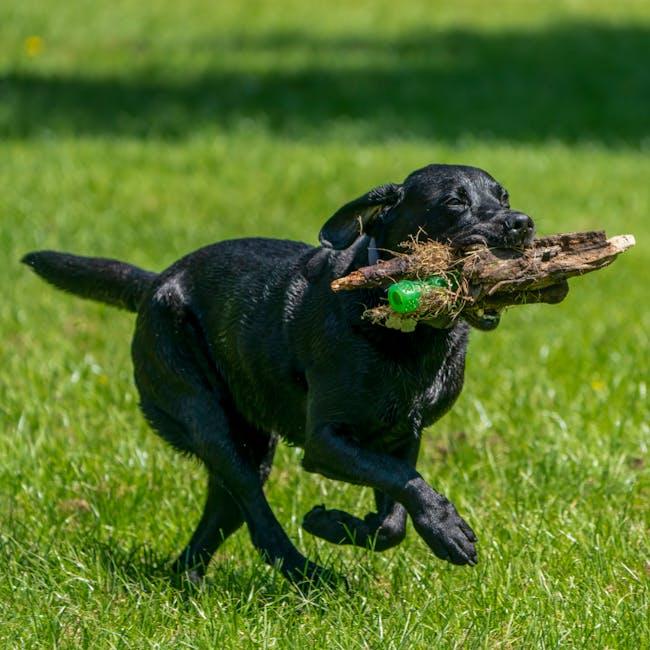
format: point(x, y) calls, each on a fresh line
point(568, 81)
point(139, 567)
point(135, 565)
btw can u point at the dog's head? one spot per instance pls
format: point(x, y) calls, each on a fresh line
point(447, 203)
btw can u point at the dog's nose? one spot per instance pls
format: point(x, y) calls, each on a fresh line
point(519, 229)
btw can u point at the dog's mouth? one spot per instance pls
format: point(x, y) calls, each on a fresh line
point(515, 232)
point(491, 240)
point(471, 239)
point(484, 320)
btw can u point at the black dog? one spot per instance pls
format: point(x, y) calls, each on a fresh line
point(243, 341)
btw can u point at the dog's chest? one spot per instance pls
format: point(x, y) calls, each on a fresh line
point(408, 399)
point(388, 401)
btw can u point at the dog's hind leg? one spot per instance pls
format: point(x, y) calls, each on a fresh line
point(222, 515)
point(229, 465)
point(186, 399)
point(237, 471)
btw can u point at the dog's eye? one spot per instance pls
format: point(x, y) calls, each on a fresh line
point(505, 200)
point(455, 202)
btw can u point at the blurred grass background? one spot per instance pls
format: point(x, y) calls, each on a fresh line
point(145, 130)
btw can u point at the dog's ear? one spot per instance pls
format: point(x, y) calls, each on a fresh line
point(354, 218)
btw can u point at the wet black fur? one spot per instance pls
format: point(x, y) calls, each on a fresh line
point(243, 341)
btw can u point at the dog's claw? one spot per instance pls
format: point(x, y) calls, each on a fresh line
point(469, 533)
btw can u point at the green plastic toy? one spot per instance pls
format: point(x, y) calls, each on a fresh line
point(405, 296)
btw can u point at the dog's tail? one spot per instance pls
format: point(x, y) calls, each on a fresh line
point(110, 281)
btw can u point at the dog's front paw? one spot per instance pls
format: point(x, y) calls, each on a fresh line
point(448, 535)
point(335, 526)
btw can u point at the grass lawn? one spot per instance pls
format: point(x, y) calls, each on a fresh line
point(145, 130)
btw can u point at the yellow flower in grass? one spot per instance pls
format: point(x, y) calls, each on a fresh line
point(598, 385)
point(33, 46)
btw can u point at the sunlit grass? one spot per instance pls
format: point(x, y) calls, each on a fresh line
point(119, 140)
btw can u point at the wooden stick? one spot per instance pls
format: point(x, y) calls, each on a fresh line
point(489, 271)
point(486, 279)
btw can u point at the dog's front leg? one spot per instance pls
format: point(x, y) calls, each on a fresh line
point(377, 531)
point(336, 456)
